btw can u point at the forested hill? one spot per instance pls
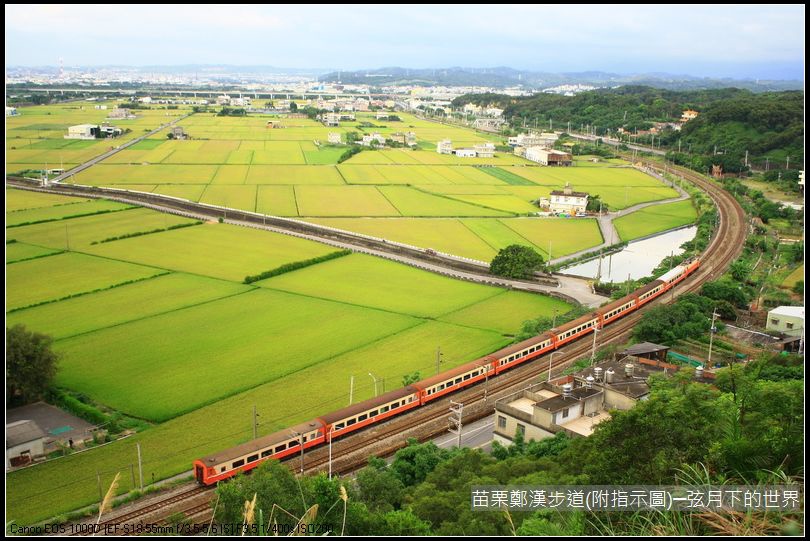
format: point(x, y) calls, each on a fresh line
point(769, 124)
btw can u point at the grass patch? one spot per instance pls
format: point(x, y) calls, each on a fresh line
point(655, 219)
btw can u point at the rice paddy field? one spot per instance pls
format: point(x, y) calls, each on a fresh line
point(169, 310)
point(655, 219)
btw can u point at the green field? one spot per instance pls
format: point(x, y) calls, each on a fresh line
point(224, 350)
point(655, 219)
point(506, 311)
point(216, 250)
point(22, 199)
point(343, 201)
point(19, 251)
point(370, 281)
point(50, 278)
point(78, 233)
point(122, 304)
point(82, 208)
point(793, 277)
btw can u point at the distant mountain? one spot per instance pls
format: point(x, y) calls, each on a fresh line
point(502, 77)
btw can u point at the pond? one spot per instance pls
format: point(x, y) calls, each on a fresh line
point(638, 259)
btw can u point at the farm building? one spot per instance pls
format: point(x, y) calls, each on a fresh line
point(568, 201)
point(335, 138)
point(787, 320)
point(548, 157)
point(24, 440)
point(465, 152)
point(109, 131)
point(82, 131)
point(179, 133)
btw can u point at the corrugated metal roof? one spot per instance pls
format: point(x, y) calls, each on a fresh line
point(790, 311)
point(20, 432)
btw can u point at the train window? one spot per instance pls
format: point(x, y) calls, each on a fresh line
point(222, 469)
point(291, 444)
point(267, 453)
point(304, 439)
point(458, 380)
point(281, 447)
point(350, 422)
point(383, 409)
point(238, 463)
point(395, 405)
point(374, 413)
point(467, 376)
point(253, 458)
point(339, 426)
point(362, 417)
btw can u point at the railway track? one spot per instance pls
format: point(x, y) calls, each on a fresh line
point(352, 452)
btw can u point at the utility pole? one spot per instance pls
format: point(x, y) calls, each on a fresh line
point(593, 349)
point(140, 464)
point(711, 338)
point(550, 359)
point(438, 359)
point(331, 429)
point(255, 423)
point(351, 389)
point(455, 419)
point(375, 382)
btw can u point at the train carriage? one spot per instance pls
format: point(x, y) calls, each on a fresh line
point(523, 351)
point(370, 411)
point(461, 376)
point(574, 329)
point(245, 457)
point(616, 309)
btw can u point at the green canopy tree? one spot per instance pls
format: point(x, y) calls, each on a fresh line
point(30, 365)
point(516, 261)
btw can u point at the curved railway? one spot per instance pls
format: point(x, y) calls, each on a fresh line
point(352, 451)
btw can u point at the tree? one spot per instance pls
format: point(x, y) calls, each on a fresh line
point(30, 364)
point(293, 107)
point(407, 379)
point(516, 261)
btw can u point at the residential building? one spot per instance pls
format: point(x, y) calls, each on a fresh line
point(11, 111)
point(444, 147)
point(485, 150)
point(146, 99)
point(575, 404)
point(178, 133)
point(788, 320)
point(407, 138)
point(375, 139)
point(520, 151)
point(121, 113)
point(471, 109)
point(493, 111)
point(567, 201)
point(543, 140)
point(109, 131)
point(331, 119)
point(100, 107)
point(335, 138)
point(688, 115)
point(24, 441)
point(361, 105)
point(545, 156)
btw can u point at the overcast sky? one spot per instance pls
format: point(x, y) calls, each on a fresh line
point(717, 41)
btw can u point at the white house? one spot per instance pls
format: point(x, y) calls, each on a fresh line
point(568, 201)
point(444, 147)
point(368, 140)
point(82, 131)
point(24, 441)
point(11, 111)
point(465, 152)
point(331, 119)
point(335, 138)
point(787, 320)
point(544, 156)
point(485, 150)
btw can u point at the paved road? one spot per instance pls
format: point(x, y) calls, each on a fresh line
point(94, 161)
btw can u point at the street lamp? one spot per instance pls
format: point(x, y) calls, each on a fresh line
point(711, 339)
point(375, 382)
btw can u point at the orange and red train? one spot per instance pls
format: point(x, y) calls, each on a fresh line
point(227, 463)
